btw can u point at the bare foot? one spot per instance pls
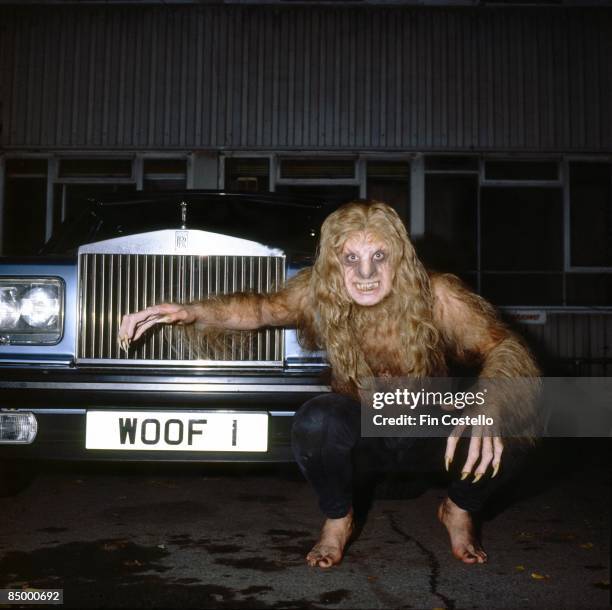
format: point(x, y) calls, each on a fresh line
point(330, 547)
point(458, 522)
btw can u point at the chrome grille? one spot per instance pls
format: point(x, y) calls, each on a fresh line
point(111, 285)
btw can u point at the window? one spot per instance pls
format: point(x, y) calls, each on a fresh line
point(326, 180)
point(521, 170)
point(502, 228)
point(521, 229)
point(25, 198)
point(74, 180)
point(98, 168)
point(451, 203)
point(451, 216)
point(389, 181)
point(329, 195)
point(26, 167)
point(590, 214)
point(69, 199)
point(451, 163)
point(522, 245)
point(24, 216)
point(584, 289)
point(164, 174)
point(522, 289)
point(250, 175)
point(79, 180)
point(313, 169)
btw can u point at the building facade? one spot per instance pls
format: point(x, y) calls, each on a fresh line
point(488, 128)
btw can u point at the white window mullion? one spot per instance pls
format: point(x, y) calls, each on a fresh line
point(273, 173)
point(52, 174)
point(361, 173)
point(190, 167)
point(138, 172)
point(417, 197)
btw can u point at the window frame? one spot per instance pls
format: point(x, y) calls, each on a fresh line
point(221, 178)
point(567, 229)
point(561, 182)
point(275, 158)
point(53, 178)
point(416, 208)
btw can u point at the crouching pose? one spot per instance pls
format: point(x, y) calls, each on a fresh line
point(369, 302)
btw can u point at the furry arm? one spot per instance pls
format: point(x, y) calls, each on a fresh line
point(473, 333)
point(249, 311)
point(242, 311)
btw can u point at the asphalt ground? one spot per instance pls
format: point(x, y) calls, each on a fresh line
point(236, 536)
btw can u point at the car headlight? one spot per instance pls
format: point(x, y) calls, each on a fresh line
point(40, 307)
point(10, 311)
point(31, 310)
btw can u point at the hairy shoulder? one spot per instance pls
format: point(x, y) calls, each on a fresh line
point(297, 288)
point(288, 305)
point(468, 322)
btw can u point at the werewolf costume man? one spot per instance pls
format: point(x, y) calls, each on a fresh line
point(370, 303)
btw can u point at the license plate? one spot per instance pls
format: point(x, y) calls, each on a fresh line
point(176, 431)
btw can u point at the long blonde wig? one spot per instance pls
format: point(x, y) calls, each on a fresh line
point(353, 334)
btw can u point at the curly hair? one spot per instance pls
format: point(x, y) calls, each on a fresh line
point(355, 337)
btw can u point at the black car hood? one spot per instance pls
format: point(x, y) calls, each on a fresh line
point(289, 224)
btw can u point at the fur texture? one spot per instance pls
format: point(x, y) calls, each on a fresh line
point(411, 333)
point(474, 334)
point(395, 338)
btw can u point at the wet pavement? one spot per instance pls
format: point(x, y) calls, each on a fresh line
point(235, 537)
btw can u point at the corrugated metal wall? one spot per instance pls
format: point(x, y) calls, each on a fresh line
point(573, 344)
point(333, 78)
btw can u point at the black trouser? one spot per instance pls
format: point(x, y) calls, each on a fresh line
point(329, 448)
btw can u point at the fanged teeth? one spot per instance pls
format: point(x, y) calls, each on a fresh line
point(368, 286)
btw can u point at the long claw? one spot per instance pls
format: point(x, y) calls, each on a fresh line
point(477, 477)
point(495, 470)
point(447, 462)
point(464, 475)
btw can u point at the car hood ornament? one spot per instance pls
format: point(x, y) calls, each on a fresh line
point(183, 214)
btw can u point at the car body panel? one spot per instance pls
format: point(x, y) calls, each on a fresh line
point(50, 381)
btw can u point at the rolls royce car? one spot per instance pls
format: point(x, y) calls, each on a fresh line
point(67, 390)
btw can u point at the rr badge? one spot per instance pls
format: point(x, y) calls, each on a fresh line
point(181, 239)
